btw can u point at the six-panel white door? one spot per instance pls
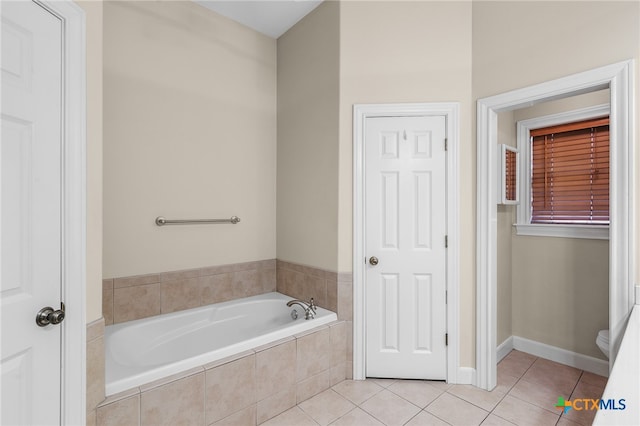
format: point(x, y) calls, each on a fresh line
point(405, 172)
point(30, 228)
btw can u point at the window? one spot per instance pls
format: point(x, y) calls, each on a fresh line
point(570, 173)
point(565, 174)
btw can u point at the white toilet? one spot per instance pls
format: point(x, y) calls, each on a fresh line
point(603, 342)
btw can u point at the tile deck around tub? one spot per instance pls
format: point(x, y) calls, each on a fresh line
point(248, 388)
point(527, 392)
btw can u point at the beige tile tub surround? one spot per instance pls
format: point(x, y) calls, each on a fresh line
point(230, 387)
point(249, 388)
point(95, 367)
point(119, 411)
point(178, 402)
point(331, 290)
point(303, 282)
point(141, 296)
point(345, 312)
point(107, 301)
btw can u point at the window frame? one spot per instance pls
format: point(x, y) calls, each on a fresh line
point(523, 209)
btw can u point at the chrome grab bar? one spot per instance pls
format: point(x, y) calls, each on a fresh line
point(161, 221)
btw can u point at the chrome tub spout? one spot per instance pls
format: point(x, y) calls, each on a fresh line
point(309, 307)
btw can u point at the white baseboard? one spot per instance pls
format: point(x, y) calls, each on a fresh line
point(504, 348)
point(553, 353)
point(466, 376)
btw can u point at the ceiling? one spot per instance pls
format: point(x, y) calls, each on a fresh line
point(269, 17)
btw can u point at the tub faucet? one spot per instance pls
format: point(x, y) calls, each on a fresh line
point(309, 307)
point(312, 305)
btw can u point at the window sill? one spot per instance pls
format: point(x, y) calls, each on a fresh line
point(592, 232)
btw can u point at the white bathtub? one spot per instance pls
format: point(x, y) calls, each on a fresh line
point(141, 351)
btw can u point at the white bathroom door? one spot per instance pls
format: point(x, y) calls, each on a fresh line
point(405, 243)
point(30, 201)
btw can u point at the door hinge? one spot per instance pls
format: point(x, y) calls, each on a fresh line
point(446, 144)
point(446, 297)
point(446, 241)
point(446, 339)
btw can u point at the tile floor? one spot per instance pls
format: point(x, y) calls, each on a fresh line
point(528, 388)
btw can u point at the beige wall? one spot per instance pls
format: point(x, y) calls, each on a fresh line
point(189, 132)
point(307, 207)
point(572, 103)
point(410, 52)
point(168, 106)
point(561, 291)
point(562, 302)
point(506, 218)
point(93, 11)
point(510, 52)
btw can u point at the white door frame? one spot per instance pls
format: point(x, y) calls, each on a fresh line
point(619, 78)
point(73, 386)
point(360, 113)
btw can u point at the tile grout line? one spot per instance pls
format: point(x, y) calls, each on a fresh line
point(502, 399)
point(507, 392)
point(476, 405)
point(522, 377)
point(412, 417)
point(359, 405)
point(571, 394)
point(504, 396)
point(485, 417)
point(305, 412)
point(518, 381)
point(500, 417)
point(400, 396)
point(468, 402)
point(354, 408)
point(513, 386)
point(425, 410)
point(373, 415)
